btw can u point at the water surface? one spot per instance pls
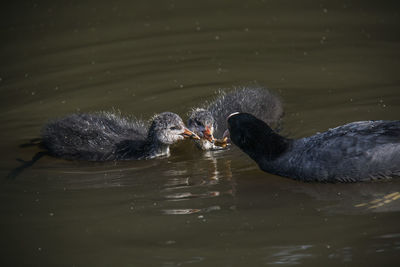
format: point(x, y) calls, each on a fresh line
point(331, 62)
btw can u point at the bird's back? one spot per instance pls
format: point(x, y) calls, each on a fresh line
point(259, 102)
point(90, 136)
point(356, 151)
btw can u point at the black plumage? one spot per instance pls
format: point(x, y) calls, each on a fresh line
point(106, 136)
point(211, 117)
point(358, 151)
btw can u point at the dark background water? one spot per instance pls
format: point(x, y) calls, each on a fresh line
point(332, 62)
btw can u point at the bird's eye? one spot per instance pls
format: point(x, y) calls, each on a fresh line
point(197, 122)
point(173, 128)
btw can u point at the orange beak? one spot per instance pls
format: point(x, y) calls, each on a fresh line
point(208, 135)
point(190, 134)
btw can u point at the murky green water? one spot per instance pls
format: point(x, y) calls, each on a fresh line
point(332, 62)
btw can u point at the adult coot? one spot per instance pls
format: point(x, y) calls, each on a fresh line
point(358, 151)
point(107, 136)
point(210, 120)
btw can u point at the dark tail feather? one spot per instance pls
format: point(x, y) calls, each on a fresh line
point(26, 164)
point(32, 142)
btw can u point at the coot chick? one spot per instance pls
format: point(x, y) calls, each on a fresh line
point(358, 151)
point(106, 136)
point(209, 121)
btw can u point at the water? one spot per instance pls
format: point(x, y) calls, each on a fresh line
point(331, 62)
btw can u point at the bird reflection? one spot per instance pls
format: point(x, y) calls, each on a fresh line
point(186, 195)
point(190, 211)
point(208, 179)
point(289, 255)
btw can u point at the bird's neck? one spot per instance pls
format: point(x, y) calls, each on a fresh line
point(269, 148)
point(276, 146)
point(154, 148)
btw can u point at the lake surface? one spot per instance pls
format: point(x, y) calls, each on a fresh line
point(331, 62)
